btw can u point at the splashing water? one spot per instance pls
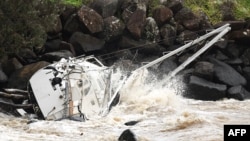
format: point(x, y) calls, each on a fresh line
point(162, 112)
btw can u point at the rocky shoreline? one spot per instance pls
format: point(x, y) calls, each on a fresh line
point(124, 30)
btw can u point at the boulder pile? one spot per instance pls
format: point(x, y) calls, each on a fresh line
point(125, 29)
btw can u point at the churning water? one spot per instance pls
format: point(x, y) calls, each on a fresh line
point(163, 113)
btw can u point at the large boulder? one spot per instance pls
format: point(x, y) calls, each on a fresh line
point(136, 23)
point(168, 34)
point(91, 19)
point(83, 43)
point(113, 28)
point(19, 79)
point(202, 89)
point(238, 92)
point(151, 30)
point(162, 15)
point(204, 69)
point(226, 74)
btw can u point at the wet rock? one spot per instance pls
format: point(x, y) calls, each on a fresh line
point(83, 43)
point(19, 79)
point(136, 23)
point(238, 92)
point(202, 89)
point(106, 8)
point(127, 135)
point(162, 15)
point(167, 65)
point(56, 55)
point(151, 30)
point(91, 19)
point(113, 28)
point(204, 69)
point(126, 14)
point(227, 74)
point(168, 34)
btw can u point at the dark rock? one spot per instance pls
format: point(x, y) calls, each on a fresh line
point(127, 135)
point(162, 15)
point(220, 56)
point(238, 92)
point(136, 23)
point(52, 45)
point(246, 57)
point(234, 62)
point(72, 25)
point(151, 30)
point(11, 65)
point(246, 74)
point(106, 8)
point(204, 20)
point(67, 46)
point(227, 74)
point(174, 5)
point(167, 65)
point(127, 42)
point(19, 79)
point(130, 123)
point(186, 36)
point(193, 24)
point(85, 43)
point(126, 14)
point(26, 56)
point(113, 28)
point(67, 13)
point(204, 69)
point(222, 43)
point(202, 89)
point(184, 14)
point(91, 19)
point(241, 36)
point(168, 34)
point(56, 56)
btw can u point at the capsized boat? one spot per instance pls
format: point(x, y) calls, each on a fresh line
point(84, 88)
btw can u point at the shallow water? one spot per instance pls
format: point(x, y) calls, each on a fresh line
point(163, 113)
